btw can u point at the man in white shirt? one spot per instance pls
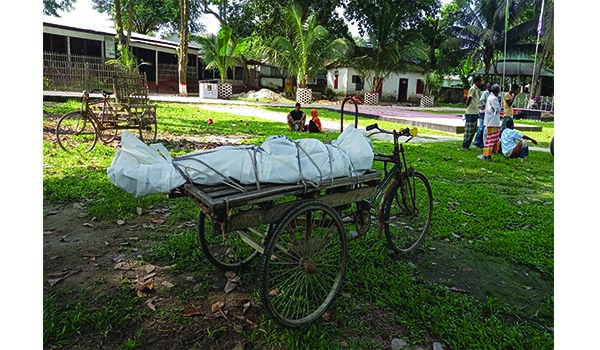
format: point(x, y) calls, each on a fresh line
point(514, 145)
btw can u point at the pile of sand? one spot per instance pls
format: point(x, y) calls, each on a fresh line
point(262, 94)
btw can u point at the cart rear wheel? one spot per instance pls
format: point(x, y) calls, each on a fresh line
point(76, 133)
point(408, 211)
point(225, 251)
point(148, 126)
point(303, 264)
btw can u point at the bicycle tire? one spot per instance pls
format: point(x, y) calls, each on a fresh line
point(148, 126)
point(552, 146)
point(225, 251)
point(76, 132)
point(303, 264)
point(406, 225)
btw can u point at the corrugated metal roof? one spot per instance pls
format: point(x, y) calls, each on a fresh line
point(97, 29)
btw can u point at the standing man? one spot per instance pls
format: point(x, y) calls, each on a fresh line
point(296, 119)
point(480, 136)
point(508, 100)
point(492, 122)
point(471, 113)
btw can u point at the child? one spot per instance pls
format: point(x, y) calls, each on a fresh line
point(514, 145)
point(314, 125)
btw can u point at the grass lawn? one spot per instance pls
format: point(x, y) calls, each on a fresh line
point(483, 279)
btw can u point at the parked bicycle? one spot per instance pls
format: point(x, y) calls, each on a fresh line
point(403, 201)
point(80, 130)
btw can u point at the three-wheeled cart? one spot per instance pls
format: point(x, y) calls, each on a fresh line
point(297, 229)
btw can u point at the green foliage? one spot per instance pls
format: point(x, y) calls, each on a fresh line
point(480, 31)
point(221, 51)
point(390, 48)
point(52, 7)
point(126, 60)
point(306, 47)
point(65, 322)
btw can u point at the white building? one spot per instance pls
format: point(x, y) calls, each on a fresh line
point(400, 87)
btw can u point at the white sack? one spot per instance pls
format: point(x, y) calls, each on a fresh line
point(140, 170)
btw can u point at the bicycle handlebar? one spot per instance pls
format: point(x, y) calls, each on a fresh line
point(410, 133)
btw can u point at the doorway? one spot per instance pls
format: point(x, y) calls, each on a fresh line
point(403, 90)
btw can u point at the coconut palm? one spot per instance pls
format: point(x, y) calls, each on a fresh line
point(306, 49)
point(386, 52)
point(221, 52)
point(481, 31)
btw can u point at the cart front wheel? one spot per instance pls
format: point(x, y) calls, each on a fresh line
point(225, 251)
point(76, 133)
point(408, 210)
point(303, 264)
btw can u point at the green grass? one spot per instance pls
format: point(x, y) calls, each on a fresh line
point(501, 212)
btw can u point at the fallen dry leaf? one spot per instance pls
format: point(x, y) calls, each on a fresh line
point(230, 286)
point(246, 306)
point(274, 292)
point(149, 268)
point(216, 306)
point(150, 276)
point(190, 311)
point(238, 328)
point(158, 221)
point(120, 222)
point(87, 224)
point(230, 274)
point(145, 289)
point(139, 210)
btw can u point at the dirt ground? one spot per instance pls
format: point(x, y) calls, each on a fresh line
point(80, 252)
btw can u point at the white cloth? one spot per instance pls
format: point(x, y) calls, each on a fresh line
point(139, 170)
point(492, 111)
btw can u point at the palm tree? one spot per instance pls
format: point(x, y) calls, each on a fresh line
point(306, 49)
point(480, 33)
point(220, 51)
point(385, 53)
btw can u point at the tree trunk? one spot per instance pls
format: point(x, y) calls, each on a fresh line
point(122, 39)
point(182, 49)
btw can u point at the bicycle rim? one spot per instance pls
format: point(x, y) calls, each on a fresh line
point(76, 133)
point(408, 211)
point(303, 264)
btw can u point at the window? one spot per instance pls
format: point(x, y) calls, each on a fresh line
point(360, 85)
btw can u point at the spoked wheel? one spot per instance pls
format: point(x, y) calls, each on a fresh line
point(148, 126)
point(76, 133)
point(108, 132)
point(408, 213)
point(226, 251)
point(303, 264)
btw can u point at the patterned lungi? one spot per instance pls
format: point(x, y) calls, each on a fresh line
point(492, 138)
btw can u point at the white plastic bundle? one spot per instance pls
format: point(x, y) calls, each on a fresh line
point(140, 170)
